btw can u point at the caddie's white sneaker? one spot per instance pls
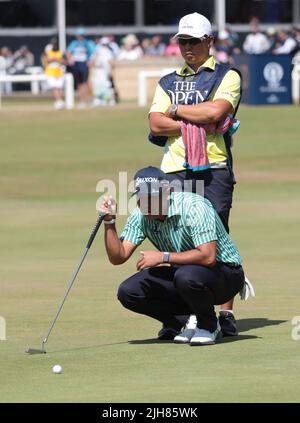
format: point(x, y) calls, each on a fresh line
point(188, 332)
point(204, 337)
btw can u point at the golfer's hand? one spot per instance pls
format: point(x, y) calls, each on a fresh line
point(108, 207)
point(149, 259)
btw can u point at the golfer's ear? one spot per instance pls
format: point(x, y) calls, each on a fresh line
point(210, 41)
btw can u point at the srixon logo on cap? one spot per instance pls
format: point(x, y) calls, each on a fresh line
point(145, 180)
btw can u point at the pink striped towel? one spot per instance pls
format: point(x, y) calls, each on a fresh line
point(194, 139)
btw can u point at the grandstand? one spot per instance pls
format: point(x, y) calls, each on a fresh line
point(33, 23)
point(29, 23)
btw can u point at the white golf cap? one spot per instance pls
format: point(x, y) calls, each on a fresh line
point(194, 25)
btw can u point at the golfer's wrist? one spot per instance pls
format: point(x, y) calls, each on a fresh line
point(110, 220)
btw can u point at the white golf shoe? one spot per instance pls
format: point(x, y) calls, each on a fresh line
point(204, 337)
point(188, 332)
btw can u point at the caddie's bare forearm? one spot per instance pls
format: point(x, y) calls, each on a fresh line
point(206, 112)
point(162, 125)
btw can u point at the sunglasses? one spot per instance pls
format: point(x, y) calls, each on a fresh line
point(192, 41)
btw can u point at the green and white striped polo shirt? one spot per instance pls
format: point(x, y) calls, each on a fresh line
point(191, 222)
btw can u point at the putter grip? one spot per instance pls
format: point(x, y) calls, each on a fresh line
point(95, 230)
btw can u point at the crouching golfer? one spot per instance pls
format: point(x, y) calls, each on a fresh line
point(194, 267)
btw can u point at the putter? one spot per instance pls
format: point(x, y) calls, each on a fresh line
point(88, 245)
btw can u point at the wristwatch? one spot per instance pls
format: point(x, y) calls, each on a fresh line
point(166, 257)
point(173, 109)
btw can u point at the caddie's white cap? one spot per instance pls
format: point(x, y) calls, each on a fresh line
point(194, 25)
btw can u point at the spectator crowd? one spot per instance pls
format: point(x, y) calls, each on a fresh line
point(91, 61)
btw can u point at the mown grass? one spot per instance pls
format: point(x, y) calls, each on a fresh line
point(50, 164)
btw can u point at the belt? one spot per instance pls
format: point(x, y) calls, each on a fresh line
point(231, 265)
point(218, 165)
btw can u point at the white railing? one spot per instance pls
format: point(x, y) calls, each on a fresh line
point(142, 83)
point(296, 79)
point(69, 85)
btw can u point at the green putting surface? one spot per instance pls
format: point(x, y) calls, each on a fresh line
point(50, 164)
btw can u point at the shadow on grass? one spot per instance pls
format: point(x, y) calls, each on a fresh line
point(149, 341)
point(226, 339)
point(254, 323)
point(220, 341)
point(88, 347)
point(244, 325)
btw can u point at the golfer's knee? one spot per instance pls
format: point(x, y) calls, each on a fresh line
point(186, 279)
point(127, 295)
point(123, 294)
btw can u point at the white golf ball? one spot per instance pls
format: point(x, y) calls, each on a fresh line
point(57, 369)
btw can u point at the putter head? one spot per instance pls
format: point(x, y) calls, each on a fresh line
point(32, 351)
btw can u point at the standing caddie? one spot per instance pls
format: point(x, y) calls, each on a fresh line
point(193, 104)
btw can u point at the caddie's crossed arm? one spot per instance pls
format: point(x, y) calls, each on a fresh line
point(159, 122)
point(207, 112)
point(224, 102)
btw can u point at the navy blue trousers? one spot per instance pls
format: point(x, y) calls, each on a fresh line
point(171, 293)
point(218, 188)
